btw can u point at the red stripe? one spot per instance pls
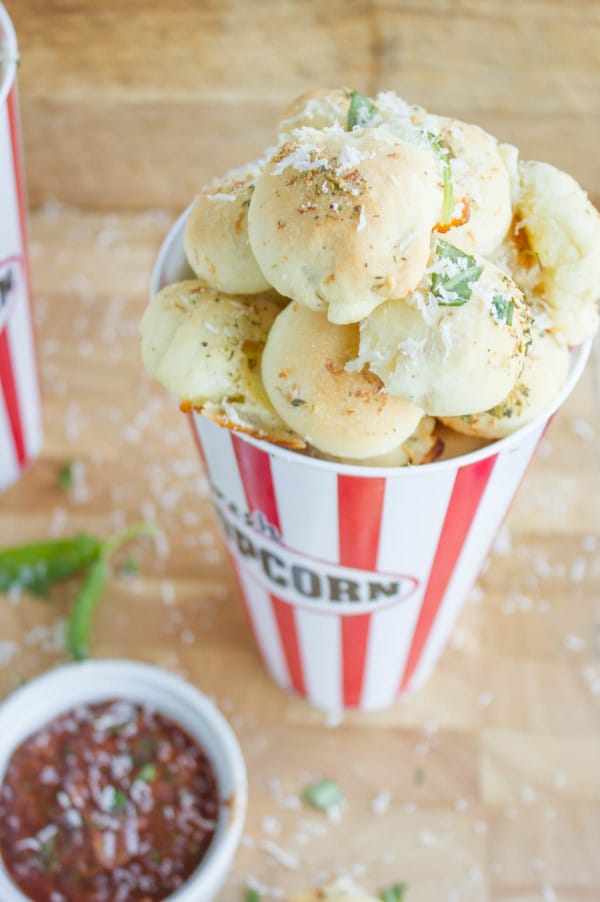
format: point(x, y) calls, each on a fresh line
point(360, 506)
point(196, 437)
point(9, 390)
point(9, 386)
point(285, 617)
point(17, 155)
point(469, 487)
point(255, 472)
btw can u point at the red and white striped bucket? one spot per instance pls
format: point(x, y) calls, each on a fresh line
point(20, 419)
point(353, 576)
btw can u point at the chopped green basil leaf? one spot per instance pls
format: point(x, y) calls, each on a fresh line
point(117, 728)
point(46, 852)
point(444, 154)
point(298, 402)
point(504, 309)
point(144, 750)
point(394, 893)
point(323, 795)
point(82, 612)
point(119, 800)
point(252, 896)
point(147, 773)
point(453, 289)
point(64, 477)
point(130, 565)
point(362, 111)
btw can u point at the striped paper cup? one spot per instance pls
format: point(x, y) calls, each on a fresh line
point(352, 576)
point(20, 420)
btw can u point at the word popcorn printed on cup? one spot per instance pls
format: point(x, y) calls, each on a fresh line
point(302, 580)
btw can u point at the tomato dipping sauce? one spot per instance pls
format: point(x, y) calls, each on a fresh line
point(110, 802)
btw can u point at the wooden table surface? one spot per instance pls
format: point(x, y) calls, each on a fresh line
point(486, 784)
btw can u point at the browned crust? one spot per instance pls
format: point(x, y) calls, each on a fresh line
point(221, 419)
point(435, 452)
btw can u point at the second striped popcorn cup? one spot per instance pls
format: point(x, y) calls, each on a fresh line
point(353, 576)
point(20, 419)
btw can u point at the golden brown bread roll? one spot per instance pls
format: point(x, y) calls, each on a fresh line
point(423, 446)
point(206, 348)
point(457, 344)
point(216, 234)
point(339, 413)
point(319, 108)
point(563, 229)
point(544, 373)
point(342, 221)
point(479, 201)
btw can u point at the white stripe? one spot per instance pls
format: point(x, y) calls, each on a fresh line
point(10, 232)
point(319, 638)
point(413, 515)
point(221, 461)
point(265, 626)
point(308, 508)
point(498, 494)
point(307, 502)
point(9, 467)
point(224, 475)
point(22, 344)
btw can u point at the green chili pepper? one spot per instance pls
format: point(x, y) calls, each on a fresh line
point(82, 612)
point(39, 564)
point(80, 618)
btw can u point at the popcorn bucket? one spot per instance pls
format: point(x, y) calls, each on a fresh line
point(352, 576)
point(20, 421)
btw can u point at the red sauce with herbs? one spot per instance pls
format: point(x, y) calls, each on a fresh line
point(107, 803)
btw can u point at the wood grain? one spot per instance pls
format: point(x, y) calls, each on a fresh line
point(130, 107)
point(491, 769)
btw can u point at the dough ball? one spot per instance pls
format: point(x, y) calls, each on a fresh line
point(318, 109)
point(216, 235)
point(340, 413)
point(481, 209)
point(206, 348)
point(544, 374)
point(563, 228)
point(422, 447)
point(342, 221)
point(458, 341)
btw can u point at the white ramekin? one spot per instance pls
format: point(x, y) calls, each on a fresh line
point(50, 695)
